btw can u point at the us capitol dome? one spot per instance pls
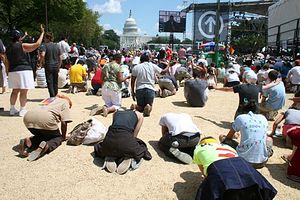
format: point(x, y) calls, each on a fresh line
point(131, 38)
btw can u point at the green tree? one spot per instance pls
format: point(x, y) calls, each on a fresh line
point(69, 18)
point(187, 41)
point(111, 39)
point(248, 36)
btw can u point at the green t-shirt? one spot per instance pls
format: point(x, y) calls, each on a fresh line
point(110, 73)
point(208, 153)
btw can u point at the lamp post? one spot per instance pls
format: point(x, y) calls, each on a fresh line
point(217, 28)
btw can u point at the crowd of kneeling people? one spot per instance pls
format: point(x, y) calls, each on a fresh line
point(228, 164)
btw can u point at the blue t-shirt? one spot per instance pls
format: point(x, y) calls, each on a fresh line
point(276, 96)
point(253, 129)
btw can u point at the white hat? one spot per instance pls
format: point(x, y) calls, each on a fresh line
point(250, 76)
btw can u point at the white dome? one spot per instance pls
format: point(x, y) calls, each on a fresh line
point(130, 26)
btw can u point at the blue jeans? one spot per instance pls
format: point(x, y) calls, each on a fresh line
point(144, 96)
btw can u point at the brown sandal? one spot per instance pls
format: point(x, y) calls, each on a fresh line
point(285, 158)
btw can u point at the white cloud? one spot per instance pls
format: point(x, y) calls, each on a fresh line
point(110, 6)
point(109, 27)
point(106, 26)
point(118, 32)
point(180, 7)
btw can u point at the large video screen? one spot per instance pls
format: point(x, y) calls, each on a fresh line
point(172, 21)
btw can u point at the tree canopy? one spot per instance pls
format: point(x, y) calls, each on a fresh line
point(71, 19)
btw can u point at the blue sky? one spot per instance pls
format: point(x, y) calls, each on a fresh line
point(145, 12)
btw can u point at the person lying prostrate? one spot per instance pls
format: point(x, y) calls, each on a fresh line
point(227, 176)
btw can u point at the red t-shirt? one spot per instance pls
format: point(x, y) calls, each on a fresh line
point(97, 78)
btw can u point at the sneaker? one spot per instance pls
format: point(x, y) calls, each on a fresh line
point(124, 166)
point(99, 93)
point(147, 155)
point(13, 112)
point(89, 92)
point(70, 89)
point(110, 164)
point(96, 111)
point(74, 90)
point(23, 149)
point(136, 163)
point(104, 111)
point(22, 112)
point(147, 110)
point(39, 152)
point(183, 157)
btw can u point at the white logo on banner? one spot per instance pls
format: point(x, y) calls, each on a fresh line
point(210, 22)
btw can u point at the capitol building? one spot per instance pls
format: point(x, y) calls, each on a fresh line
point(131, 38)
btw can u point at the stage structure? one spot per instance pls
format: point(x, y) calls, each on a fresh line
point(284, 27)
point(205, 18)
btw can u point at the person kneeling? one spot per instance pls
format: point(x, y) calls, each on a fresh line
point(228, 176)
point(78, 76)
point(42, 123)
point(167, 86)
point(121, 144)
point(255, 145)
point(179, 136)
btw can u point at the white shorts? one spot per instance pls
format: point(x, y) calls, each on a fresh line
point(111, 98)
point(21, 80)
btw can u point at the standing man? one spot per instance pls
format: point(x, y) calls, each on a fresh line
point(143, 78)
point(64, 49)
point(50, 54)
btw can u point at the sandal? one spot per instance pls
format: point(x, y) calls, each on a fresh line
point(23, 149)
point(285, 158)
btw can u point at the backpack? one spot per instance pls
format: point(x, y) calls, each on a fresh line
point(79, 132)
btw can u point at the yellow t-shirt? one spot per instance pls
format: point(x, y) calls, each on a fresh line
point(76, 73)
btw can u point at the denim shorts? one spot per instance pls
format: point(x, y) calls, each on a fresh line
point(144, 96)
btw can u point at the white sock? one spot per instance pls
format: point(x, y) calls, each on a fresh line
point(12, 107)
point(22, 108)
